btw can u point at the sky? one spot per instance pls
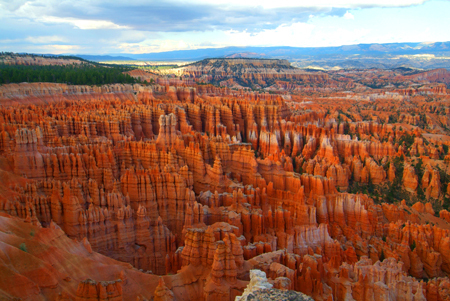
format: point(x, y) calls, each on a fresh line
point(139, 26)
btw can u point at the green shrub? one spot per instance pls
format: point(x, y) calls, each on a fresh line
point(23, 247)
point(382, 257)
point(413, 245)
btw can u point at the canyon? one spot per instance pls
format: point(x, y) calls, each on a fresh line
point(334, 185)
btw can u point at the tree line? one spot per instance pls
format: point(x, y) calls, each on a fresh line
point(84, 74)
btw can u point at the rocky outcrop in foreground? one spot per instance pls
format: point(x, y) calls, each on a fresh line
point(260, 289)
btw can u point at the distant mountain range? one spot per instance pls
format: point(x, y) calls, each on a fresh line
point(289, 53)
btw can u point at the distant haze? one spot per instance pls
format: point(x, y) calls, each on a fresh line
point(289, 53)
point(416, 55)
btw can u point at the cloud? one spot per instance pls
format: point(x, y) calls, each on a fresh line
point(289, 35)
point(57, 12)
point(181, 16)
point(83, 24)
point(9, 41)
point(161, 46)
point(45, 39)
point(12, 5)
point(348, 16)
point(47, 49)
point(299, 35)
point(270, 4)
point(62, 48)
point(142, 26)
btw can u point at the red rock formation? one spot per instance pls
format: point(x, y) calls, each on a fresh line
point(431, 182)
point(162, 293)
point(258, 71)
point(91, 290)
point(28, 160)
point(391, 173)
point(441, 75)
point(410, 179)
point(201, 184)
point(167, 133)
